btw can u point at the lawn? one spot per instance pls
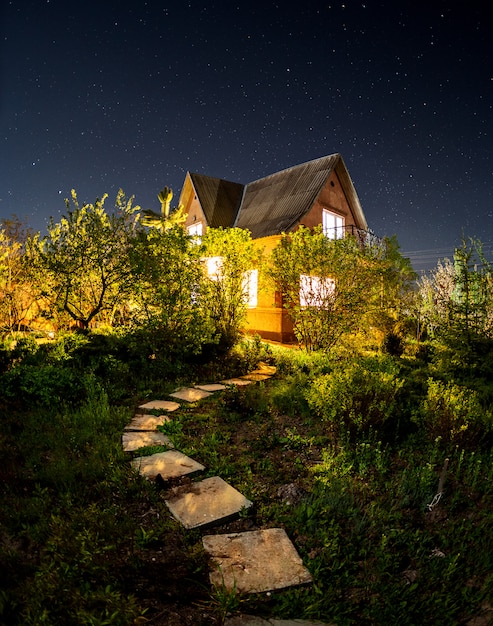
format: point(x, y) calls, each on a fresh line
point(385, 492)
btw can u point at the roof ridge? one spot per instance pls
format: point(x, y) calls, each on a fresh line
point(293, 167)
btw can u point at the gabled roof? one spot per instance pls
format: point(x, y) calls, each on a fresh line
point(276, 203)
point(218, 198)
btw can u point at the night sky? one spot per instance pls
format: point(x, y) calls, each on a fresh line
point(101, 95)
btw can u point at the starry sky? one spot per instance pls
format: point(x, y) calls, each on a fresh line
point(98, 96)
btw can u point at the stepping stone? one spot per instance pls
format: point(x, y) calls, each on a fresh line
point(146, 422)
point(267, 371)
point(239, 382)
point(190, 394)
point(158, 405)
point(211, 387)
point(256, 376)
point(207, 502)
point(255, 561)
point(134, 440)
point(170, 464)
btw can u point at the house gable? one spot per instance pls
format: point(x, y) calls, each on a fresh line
point(212, 201)
point(277, 203)
point(334, 198)
point(281, 202)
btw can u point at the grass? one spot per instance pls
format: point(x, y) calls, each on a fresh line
point(84, 540)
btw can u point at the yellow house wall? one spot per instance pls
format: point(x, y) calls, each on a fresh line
point(269, 319)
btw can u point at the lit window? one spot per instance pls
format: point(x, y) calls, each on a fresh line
point(214, 267)
point(195, 230)
point(332, 224)
point(316, 291)
point(250, 288)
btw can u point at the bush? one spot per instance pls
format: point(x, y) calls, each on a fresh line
point(357, 396)
point(45, 385)
point(453, 413)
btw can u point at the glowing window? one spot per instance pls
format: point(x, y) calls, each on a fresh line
point(332, 224)
point(316, 291)
point(195, 230)
point(250, 288)
point(214, 267)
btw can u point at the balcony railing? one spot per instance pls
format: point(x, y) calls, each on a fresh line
point(365, 238)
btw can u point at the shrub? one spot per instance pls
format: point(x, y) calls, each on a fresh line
point(357, 396)
point(44, 385)
point(453, 413)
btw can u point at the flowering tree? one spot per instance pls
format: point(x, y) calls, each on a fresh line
point(457, 297)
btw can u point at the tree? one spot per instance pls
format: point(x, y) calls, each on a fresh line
point(457, 297)
point(326, 284)
point(84, 260)
point(168, 276)
point(224, 291)
point(16, 293)
point(394, 288)
point(168, 217)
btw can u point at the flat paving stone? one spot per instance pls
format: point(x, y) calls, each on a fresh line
point(146, 422)
point(269, 370)
point(190, 394)
point(159, 405)
point(169, 464)
point(133, 440)
point(239, 382)
point(252, 620)
point(211, 387)
point(256, 377)
point(207, 502)
point(255, 561)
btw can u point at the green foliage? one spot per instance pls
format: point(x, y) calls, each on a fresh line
point(335, 287)
point(83, 263)
point(457, 306)
point(78, 530)
point(16, 292)
point(329, 300)
point(392, 298)
point(223, 292)
point(356, 396)
point(453, 413)
point(43, 385)
point(168, 218)
point(73, 514)
point(168, 275)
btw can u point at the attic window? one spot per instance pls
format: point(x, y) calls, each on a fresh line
point(332, 224)
point(195, 230)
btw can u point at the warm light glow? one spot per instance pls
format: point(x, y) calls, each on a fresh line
point(332, 224)
point(315, 291)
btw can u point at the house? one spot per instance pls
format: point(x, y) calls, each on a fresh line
point(313, 193)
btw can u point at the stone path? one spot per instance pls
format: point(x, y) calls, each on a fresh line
point(249, 562)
